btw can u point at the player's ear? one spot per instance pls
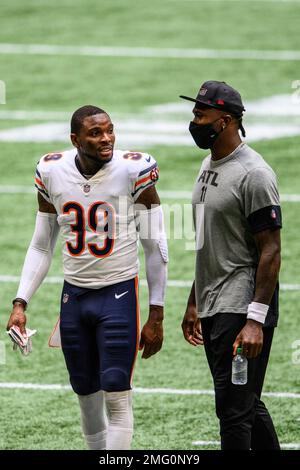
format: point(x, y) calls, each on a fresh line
point(227, 119)
point(74, 140)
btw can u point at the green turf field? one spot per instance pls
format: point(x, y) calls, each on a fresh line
point(123, 86)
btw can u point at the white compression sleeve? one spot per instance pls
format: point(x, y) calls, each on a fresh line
point(154, 242)
point(120, 420)
point(93, 420)
point(39, 255)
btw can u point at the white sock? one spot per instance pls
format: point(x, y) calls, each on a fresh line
point(120, 420)
point(96, 441)
point(93, 420)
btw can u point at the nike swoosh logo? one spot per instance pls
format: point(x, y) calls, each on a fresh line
point(148, 159)
point(120, 295)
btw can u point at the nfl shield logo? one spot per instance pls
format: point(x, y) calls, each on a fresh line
point(273, 214)
point(65, 298)
point(86, 188)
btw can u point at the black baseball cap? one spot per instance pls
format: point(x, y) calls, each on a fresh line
point(219, 95)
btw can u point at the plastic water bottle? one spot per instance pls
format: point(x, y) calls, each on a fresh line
point(239, 368)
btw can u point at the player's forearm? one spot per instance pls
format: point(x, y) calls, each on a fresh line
point(39, 255)
point(192, 296)
point(35, 269)
point(154, 242)
point(267, 276)
point(156, 274)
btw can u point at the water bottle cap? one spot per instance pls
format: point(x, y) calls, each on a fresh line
point(239, 350)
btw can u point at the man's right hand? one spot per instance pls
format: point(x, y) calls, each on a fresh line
point(18, 318)
point(191, 326)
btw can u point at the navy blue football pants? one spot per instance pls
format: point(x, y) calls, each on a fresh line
point(245, 422)
point(100, 336)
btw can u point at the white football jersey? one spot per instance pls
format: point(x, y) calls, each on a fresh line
point(96, 215)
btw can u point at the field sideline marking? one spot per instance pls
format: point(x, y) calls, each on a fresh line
point(148, 52)
point(288, 445)
point(171, 282)
point(188, 195)
point(164, 391)
point(155, 124)
point(240, 1)
point(19, 189)
point(51, 387)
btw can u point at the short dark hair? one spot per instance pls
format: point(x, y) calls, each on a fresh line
point(81, 113)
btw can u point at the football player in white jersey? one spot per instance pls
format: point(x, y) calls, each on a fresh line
point(102, 201)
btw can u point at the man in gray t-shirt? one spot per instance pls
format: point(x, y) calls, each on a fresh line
point(234, 299)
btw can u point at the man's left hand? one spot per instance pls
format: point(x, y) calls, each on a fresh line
point(152, 332)
point(250, 339)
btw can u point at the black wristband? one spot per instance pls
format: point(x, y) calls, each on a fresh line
point(21, 301)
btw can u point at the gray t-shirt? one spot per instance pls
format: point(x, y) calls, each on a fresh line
point(233, 198)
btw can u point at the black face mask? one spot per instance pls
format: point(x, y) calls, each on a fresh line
point(204, 135)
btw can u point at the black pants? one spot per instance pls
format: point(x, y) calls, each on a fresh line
point(245, 422)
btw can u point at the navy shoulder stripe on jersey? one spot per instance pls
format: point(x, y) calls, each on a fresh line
point(42, 190)
point(147, 169)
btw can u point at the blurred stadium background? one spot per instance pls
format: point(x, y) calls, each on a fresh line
point(134, 59)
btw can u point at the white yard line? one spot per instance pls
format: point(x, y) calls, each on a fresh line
point(139, 133)
point(7, 189)
point(271, 117)
point(165, 194)
point(25, 115)
point(149, 52)
point(290, 197)
point(239, 1)
point(171, 282)
point(160, 391)
point(174, 391)
point(275, 106)
point(30, 386)
point(288, 445)
point(188, 195)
